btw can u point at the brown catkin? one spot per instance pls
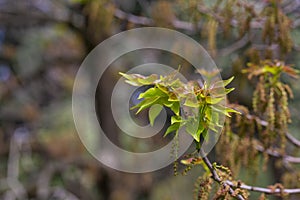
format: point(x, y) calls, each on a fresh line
point(202, 188)
point(271, 110)
point(289, 90)
point(255, 100)
point(212, 32)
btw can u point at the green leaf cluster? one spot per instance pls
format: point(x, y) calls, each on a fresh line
point(196, 107)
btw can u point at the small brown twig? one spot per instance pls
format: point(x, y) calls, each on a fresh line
point(216, 177)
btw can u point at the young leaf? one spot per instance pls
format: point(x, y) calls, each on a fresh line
point(173, 127)
point(175, 84)
point(217, 92)
point(226, 82)
point(227, 91)
point(223, 83)
point(173, 97)
point(205, 134)
point(212, 127)
point(213, 100)
point(152, 92)
point(154, 112)
point(168, 103)
point(176, 108)
point(139, 80)
point(176, 119)
point(132, 79)
point(149, 80)
point(145, 104)
point(212, 116)
point(194, 128)
point(220, 109)
point(191, 101)
point(192, 161)
point(230, 110)
point(163, 88)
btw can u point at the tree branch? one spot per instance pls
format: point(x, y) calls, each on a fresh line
point(183, 25)
point(133, 18)
point(275, 153)
point(145, 21)
point(264, 190)
point(291, 6)
point(289, 136)
point(292, 139)
point(216, 177)
point(236, 45)
point(231, 185)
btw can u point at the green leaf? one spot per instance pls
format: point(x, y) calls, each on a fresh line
point(176, 84)
point(145, 104)
point(220, 92)
point(176, 119)
point(212, 116)
point(149, 80)
point(223, 83)
point(227, 91)
point(200, 130)
point(192, 161)
point(154, 112)
point(168, 103)
point(176, 108)
point(215, 119)
point(208, 114)
point(133, 83)
point(270, 69)
point(163, 88)
point(191, 101)
point(230, 110)
point(152, 92)
point(164, 101)
point(205, 134)
point(212, 127)
point(217, 92)
point(139, 80)
point(220, 109)
point(172, 128)
point(173, 97)
point(194, 128)
point(224, 110)
point(181, 92)
point(132, 79)
point(213, 100)
point(226, 82)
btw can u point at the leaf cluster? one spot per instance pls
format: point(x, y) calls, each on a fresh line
point(197, 107)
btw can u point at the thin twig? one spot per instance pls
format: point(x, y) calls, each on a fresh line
point(145, 21)
point(183, 25)
point(236, 45)
point(133, 18)
point(231, 185)
point(275, 153)
point(289, 136)
point(216, 177)
point(292, 6)
point(13, 169)
point(292, 139)
point(264, 190)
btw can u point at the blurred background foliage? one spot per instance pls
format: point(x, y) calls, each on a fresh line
point(42, 44)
